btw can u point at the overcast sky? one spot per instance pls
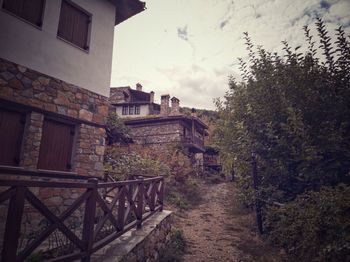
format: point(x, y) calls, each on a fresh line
point(188, 48)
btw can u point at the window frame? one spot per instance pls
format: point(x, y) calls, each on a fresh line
point(125, 110)
point(39, 27)
point(88, 38)
point(131, 110)
point(137, 110)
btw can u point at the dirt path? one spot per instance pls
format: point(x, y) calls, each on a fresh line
point(217, 230)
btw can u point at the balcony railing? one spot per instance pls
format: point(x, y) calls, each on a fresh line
point(95, 213)
point(195, 142)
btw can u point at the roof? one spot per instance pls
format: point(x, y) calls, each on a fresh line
point(127, 8)
point(135, 103)
point(136, 97)
point(155, 119)
point(139, 96)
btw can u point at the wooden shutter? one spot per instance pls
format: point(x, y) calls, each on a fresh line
point(13, 6)
point(56, 146)
point(30, 10)
point(11, 134)
point(74, 24)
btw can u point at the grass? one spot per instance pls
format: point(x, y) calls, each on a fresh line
point(175, 248)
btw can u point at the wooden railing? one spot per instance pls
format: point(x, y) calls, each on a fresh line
point(195, 141)
point(107, 210)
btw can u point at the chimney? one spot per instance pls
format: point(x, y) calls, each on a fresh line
point(164, 105)
point(151, 97)
point(175, 106)
point(138, 87)
point(193, 112)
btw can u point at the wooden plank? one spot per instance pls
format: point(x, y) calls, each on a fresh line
point(121, 209)
point(11, 134)
point(43, 235)
point(13, 225)
point(56, 146)
point(89, 220)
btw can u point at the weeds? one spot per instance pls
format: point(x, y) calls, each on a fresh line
point(176, 247)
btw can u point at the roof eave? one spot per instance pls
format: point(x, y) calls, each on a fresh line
point(127, 8)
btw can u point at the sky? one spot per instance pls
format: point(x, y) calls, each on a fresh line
point(189, 48)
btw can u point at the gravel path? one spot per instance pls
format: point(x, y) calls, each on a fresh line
point(217, 231)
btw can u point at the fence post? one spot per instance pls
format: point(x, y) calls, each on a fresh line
point(89, 219)
point(256, 184)
point(161, 194)
point(121, 208)
point(13, 226)
point(140, 203)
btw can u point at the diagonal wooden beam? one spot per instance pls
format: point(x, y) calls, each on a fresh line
point(43, 235)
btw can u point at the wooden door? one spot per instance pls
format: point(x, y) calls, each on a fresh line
point(11, 135)
point(56, 146)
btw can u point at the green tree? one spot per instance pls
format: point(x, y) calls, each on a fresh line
point(293, 112)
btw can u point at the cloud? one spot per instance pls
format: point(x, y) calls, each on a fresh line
point(182, 33)
point(189, 48)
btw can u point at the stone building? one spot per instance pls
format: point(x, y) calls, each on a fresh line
point(159, 128)
point(55, 69)
point(128, 102)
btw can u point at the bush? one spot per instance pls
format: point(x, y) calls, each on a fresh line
point(175, 248)
point(315, 226)
point(182, 195)
point(122, 165)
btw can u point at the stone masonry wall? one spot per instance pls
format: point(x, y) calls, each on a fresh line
point(45, 94)
point(139, 245)
point(157, 133)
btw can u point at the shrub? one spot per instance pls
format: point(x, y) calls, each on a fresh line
point(176, 247)
point(315, 226)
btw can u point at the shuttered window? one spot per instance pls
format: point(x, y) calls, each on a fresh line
point(11, 134)
point(125, 110)
point(29, 10)
point(74, 24)
point(56, 146)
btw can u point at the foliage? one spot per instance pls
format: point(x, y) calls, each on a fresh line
point(314, 227)
point(182, 194)
point(123, 165)
point(176, 247)
point(116, 130)
point(293, 113)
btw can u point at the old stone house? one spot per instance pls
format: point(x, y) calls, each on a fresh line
point(161, 128)
point(55, 69)
point(128, 102)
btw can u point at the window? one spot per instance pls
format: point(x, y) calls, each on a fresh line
point(137, 110)
point(56, 146)
point(125, 110)
point(11, 134)
point(74, 25)
point(29, 10)
point(131, 110)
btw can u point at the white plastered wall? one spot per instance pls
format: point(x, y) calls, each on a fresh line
point(144, 111)
point(41, 50)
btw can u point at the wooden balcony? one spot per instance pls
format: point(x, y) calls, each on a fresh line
point(195, 144)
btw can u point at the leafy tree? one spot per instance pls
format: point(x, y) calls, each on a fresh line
point(293, 112)
point(116, 130)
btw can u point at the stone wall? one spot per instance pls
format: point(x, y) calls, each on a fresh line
point(157, 133)
point(41, 95)
point(139, 245)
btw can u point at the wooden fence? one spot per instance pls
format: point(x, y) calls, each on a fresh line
point(109, 209)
